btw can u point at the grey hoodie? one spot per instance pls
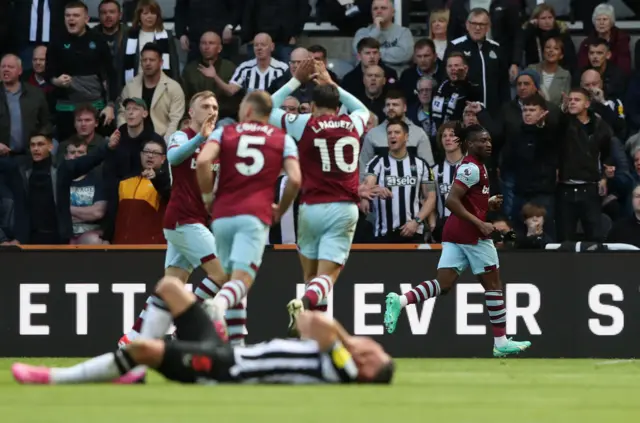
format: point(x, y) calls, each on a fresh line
point(396, 44)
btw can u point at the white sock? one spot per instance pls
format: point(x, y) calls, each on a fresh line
point(98, 369)
point(157, 320)
point(500, 341)
point(403, 301)
point(229, 295)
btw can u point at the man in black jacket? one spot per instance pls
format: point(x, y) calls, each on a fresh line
point(13, 216)
point(609, 108)
point(283, 20)
point(368, 55)
point(115, 33)
point(613, 78)
point(425, 63)
point(585, 150)
point(47, 189)
point(488, 65)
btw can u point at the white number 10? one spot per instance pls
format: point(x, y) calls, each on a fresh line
point(338, 154)
point(246, 150)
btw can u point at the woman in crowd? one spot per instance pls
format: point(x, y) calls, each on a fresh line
point(148, 27)
point(542, 26)
point(438, 22)
point(555, 79)
point(604, 20)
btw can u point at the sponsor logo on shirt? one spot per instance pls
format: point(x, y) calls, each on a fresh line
point(395, 181)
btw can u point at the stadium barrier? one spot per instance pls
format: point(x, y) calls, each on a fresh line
point(77, 301)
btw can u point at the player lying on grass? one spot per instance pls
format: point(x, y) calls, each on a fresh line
point(325, 354)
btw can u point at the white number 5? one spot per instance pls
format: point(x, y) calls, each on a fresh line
point(247, 151)
point(338, 154)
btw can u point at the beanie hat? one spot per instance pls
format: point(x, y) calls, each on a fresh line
point(533, 74)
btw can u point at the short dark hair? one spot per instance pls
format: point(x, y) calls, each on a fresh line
point(597, 41)
point(395, 95)
point(477, 11)
point(459, 54)
point(116, 2)
point(76, 4)
point(261, 102)
point(385, 374)
point(367, 42)
point(75, 141)
point(582, 91)
point(326, 97)
point(151, 47)
point(558, 41)
point(470, 132)
point(501, 218)
point(424, 42)
point(399, 122)
point(46, 135)
point(85, 108)
point(535, 100)
point(317, 48)
point(162, 145)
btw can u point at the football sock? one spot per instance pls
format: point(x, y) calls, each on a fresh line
point(230, 295)
point(497, 316)
point(134, 333)
point(206, 290)
point(421, 293)
point(317, 290)
point(157, 319)
point(236, 318)
point(104, 368)
point(321, 306)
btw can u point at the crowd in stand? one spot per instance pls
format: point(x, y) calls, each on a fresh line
point(85, 114)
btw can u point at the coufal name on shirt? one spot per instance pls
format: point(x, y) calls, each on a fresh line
point(254, 127)
point(332, 124)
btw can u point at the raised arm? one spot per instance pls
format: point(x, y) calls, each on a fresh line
point(292, 123)
point(181, 147)
point(207, 155)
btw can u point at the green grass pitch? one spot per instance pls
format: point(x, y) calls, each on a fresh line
point(435, 390)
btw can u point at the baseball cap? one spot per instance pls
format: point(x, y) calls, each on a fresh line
point(140, 102)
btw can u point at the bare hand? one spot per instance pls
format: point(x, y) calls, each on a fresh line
point(62, 81)
point(409, 228)
point(541, 117)
point(377, 22)
point(598, 95)
point(513, 72)
point(275, 213)
point(384, 193)
point(4, 149)
point(473, 107)
point(321, 76)
point(609, 171)
point(365, 206)
point(114, 139)
point(292, 41)
point(486, 228)
point(149, 173)
point(602, 188)
point(305, 70)
point(495, 202)
point(208, 126)
point(184, 43)
point(109, 115)
point(208, 71)
point(227, 35)
point(565, 102)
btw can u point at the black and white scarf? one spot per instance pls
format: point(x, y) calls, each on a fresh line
point(132, 53)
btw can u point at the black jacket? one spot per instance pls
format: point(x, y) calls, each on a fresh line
point(353, 81)
point(281, 19)
point(613, 79)
point(488, 68)
point(506, 25)
point(14, 221)
point(534, 40)
point(450, 99)
point(411, 76)
point(20, 13)
point(581, 154)
point(612, 112)
point(535, 160)
point(34, 111)
point(625, 231)
point(195, 17)
point(62, 176)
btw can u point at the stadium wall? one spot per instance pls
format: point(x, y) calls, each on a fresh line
point(77, 301)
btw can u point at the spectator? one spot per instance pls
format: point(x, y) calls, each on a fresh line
point(555, 80)
point(193, 18)
point(541, 27)
point(396, 42)
point(37, 75)
point(444, 173)
point(420, 111)
point(13, 225)
point(627, 229)
point(24, 109)
point(209, 72)
point(376, 143)
point(291, 105)
point(115, 33)
point(305, 108)
point(88, 204)
point(86, 124)
point(438, 24)
point(319, 54)
point(142, 199)
point(48, 205)
point(469, 116)
point(535, 237)
point(613, 77)
point(502, 24)
point(148, 27)
point(449, 100)
point(609, 109)
point(348, 18)
point(368, 55)
point(632, 103)
point(535, 162)
point(618, 41)
point(487, 66)
point(409, 198)
point(585, 147)
point(258, 73)
point(503, 236)
point(426, 63)
point(282, 20)
point(80, 65)
point(163, 95)
point(374, 91)
point(304, 92)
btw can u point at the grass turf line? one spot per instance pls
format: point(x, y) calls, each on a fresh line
point(425, 390)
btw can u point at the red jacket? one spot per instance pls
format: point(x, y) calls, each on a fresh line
point(620, 50)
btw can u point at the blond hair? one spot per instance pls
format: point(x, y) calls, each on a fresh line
point(201, 95)
point(436, 15)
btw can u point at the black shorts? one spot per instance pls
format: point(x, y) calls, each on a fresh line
point(198, 354)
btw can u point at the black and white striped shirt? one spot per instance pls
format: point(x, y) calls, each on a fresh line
point(292, 361)
point(404, 178)
point(249, 76)
point(445, 173)
point(285, 231)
